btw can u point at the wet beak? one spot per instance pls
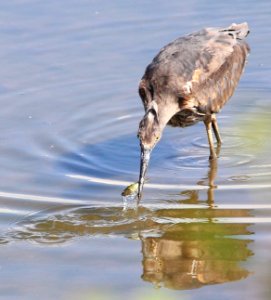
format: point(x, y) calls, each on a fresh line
point(145, 157)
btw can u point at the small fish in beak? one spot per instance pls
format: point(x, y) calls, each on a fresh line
point(130, 190)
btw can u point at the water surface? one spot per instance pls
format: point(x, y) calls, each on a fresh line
point(69, 116)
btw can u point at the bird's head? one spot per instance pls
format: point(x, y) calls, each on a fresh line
point(149, 134)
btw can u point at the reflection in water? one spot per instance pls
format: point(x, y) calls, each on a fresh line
point(176, 254)
point(210, 181)
point(188, 256)
point(183, 248)
point(191, 255)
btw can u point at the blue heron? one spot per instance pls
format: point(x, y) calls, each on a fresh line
point(189, 81)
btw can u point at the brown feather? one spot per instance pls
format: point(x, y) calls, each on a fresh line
point(199, 71)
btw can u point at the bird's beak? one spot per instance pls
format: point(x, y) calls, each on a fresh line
point(144, 161)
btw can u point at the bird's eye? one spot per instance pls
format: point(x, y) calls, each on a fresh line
point(142, 94)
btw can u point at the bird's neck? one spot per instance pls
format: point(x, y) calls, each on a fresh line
point(166, 110)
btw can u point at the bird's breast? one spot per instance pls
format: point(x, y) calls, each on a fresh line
point(186, 117)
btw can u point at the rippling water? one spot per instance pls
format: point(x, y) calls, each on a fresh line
point(69, 116)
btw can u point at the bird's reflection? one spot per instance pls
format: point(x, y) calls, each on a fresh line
point(188, 256)
point(182, 248)
point(191, 255)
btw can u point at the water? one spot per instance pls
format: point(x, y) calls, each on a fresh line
point(69, 116)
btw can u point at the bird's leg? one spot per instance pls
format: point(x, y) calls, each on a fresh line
point(218, 148)
point(211, 178)
point(212, 173)
point(215, 129)
point(208, 125)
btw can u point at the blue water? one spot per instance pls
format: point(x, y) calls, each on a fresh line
point(69, 117)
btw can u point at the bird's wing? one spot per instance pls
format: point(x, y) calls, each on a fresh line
point(212, 52)
point(183, 66)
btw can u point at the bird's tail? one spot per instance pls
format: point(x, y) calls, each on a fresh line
point(239, 30)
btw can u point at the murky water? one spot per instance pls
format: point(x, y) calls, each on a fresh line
point(69, 116)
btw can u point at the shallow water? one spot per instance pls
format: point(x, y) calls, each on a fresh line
point(69, 117)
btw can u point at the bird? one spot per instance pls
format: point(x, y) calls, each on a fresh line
point(189, 81)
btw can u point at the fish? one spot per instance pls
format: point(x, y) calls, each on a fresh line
point(130, 190)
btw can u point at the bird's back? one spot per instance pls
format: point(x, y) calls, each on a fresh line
point(201, 70)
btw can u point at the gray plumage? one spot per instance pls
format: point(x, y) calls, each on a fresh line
point(190, 80)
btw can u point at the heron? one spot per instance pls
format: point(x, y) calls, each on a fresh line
point(189, 81)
